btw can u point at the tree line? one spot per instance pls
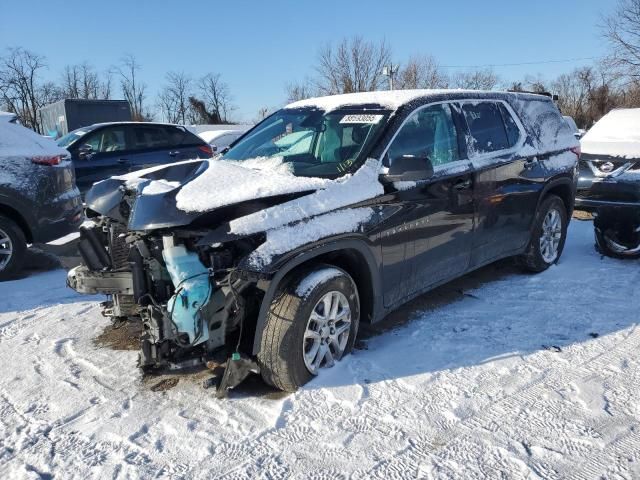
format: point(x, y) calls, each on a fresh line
point(182, 99)
point(352, 65)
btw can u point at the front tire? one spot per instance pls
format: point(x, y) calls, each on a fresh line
point(13, 247)
point(312, 323)
point(547, 237)
point(608, 243)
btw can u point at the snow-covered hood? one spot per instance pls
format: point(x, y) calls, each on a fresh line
point(617, 134)
point(241, 198)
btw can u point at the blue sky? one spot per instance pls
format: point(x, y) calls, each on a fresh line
point(259, 46)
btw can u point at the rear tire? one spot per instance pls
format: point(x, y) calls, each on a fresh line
point(608, 246)
point(13, 247)
point(547, 237)
point(298, 324)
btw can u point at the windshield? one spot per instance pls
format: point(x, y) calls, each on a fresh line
point(71, 137)
point(311, 142)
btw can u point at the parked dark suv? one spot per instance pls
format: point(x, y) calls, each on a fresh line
point(609, 182)
point(105, 149)
point(39, 200)
point(329, 212)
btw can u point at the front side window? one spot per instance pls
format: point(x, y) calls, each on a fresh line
point(310, 141)
point(429, 132)
point(487, 129)
point(106, 140)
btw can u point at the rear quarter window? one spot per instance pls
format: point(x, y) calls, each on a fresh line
point(547, 129)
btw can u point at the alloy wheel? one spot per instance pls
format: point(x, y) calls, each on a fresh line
point(551, 236)
point(327, 332)
point(6, 249)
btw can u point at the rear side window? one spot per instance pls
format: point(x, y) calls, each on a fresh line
point(149, 136)
point(188, 138)
point(488, 133)
point(513, 132)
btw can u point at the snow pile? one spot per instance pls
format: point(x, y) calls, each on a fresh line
point(316, 278)
point(225, 183)
point(18, 141)
point(286, 239)
point(616, 134)
point(344, 191)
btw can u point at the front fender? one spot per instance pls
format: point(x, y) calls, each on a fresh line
point(291, 263)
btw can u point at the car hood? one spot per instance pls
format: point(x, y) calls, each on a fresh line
point(146, 200)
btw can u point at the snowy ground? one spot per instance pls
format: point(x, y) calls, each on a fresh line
point(517, 376)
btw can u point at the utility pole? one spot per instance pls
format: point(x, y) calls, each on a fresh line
point(390, 71)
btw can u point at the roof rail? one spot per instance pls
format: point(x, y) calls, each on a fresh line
point(552, 96)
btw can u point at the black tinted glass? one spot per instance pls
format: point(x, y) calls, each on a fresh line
point(486, 127)
point(513, 132)
point(150, 136)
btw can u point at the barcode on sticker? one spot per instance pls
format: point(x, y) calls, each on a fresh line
point(361, 118)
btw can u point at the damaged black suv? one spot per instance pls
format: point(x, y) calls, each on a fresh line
point(329, 212)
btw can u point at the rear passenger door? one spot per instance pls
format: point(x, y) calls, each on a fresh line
point(505, 193)
point(151, 145)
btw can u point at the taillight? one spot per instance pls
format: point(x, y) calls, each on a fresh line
point(206, 149)
point(47, 160)
point(577, 151)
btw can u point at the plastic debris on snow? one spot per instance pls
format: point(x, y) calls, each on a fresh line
point(316, 278)
point(287, 238)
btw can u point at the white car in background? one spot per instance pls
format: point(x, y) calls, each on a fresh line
point(221, 139)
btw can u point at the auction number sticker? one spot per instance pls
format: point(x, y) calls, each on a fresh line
point(361, 118)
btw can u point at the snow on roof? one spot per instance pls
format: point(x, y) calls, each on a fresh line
point(19, 141)
point(391, 99)
point(616, 134)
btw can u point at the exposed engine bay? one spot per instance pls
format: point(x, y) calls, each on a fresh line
point(189, 296)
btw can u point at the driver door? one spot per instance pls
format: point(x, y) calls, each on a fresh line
point(434, 234)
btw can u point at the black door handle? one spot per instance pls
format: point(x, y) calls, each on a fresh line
point(123, 161)
point(174, 153)
point(462, 184)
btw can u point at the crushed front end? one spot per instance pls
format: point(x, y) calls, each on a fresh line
point(190, 296)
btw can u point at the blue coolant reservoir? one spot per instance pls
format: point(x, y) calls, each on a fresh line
point(191, 295)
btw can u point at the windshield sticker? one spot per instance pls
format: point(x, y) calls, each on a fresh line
point(361, 118)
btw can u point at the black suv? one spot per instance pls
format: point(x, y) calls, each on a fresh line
point(329, 212)
point(39, 200)
point(105, 149)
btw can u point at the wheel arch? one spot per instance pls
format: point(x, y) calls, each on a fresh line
point(563, 188)
point(16, 216)
point(353, 256)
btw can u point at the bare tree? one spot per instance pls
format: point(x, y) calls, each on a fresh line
point(83, 81)
point(481, 79)
point(422, 71)
point(299, 91)
point(355, 65)
point(173, 99)
point(21, 88)
point(133, 89)
point(622, 31)
point(216, 96)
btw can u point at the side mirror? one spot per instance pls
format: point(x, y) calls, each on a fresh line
point(214, 148)
point(409, 168)
point(85, 152)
